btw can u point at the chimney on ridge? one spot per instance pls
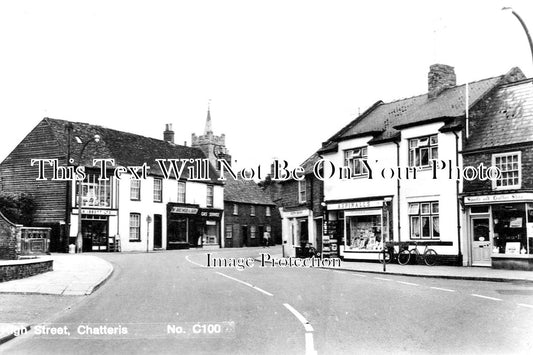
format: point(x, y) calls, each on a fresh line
point(440, 78)
point(168, 134)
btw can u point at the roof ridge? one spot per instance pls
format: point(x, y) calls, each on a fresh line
point(453, 87)
point(119, 131)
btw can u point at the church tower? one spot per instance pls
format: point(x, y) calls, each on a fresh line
point(214, 147)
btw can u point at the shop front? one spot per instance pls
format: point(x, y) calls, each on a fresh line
point(500, 230)
point(192, 226)
point(95, 228)
point(365, 224)
point(300, 230)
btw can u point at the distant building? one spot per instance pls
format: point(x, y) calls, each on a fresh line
point(135, 214)
point(249, 213)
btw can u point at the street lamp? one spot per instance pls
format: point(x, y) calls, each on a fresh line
point(79, 237)
point(524, 27)
point(68, 207)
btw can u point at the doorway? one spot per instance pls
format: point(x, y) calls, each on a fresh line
point(244, 233)
point(158, 231)
point(481, 241)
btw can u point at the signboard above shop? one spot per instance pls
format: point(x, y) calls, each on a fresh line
point(354, 205)
point(518, 197)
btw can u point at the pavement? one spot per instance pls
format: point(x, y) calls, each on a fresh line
point(73, 275)
point(444, 272)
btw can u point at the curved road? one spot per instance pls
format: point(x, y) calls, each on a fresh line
point(169, 302)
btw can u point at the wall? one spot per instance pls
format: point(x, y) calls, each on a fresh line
point(26, 269)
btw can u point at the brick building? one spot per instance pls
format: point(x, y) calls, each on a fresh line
point(300, 204)
point(499, 213)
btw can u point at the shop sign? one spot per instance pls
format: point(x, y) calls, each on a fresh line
point(498, 198)
point(354, 205)
point(184, 210)
point(99, 212)
point(330, 228)
point(298, 213)
point(210, 214)
point(211, 223)
point(512, 248)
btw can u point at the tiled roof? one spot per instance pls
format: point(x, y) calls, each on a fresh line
point(508, 119)
point(309, 163)
point(245, 191)
point(127, 149)
point(383, 120)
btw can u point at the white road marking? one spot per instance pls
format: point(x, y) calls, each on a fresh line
point(486, 297)
point(192, 262)
point(407, 283)
point(359, 275)
point(443, 289)
point(383, 279)
point(261, 290)
point(246, 283)
point(309, 345)
point(301, 318)
point(525, 305)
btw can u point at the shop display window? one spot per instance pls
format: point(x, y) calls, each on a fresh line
point(364, 232)
point(510, 225)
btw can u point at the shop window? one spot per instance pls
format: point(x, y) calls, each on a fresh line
point(135, 227)
point(253, 230)
point(135, 190)
point(422, 150)
point(229, 231)
point(510, 229)
point(181, 192)
point(209, 195)
point(353, 160)
point(158, 190)
point(510, 170)
point(364, 232)
point(235, 209)
point(302, 196)
point(95, 192)
point(424, 220)
point(267, 211)
point(252, 210)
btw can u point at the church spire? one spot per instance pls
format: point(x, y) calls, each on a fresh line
point(208, 128)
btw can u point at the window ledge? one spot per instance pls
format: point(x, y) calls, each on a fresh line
point(514, 256)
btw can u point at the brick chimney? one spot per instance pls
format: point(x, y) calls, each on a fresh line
point(168, 134)
point(440, 78)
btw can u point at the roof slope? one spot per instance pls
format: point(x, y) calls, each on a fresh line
point(384, 120)
point(127, 149)
point(508, 119)
point(245, 191)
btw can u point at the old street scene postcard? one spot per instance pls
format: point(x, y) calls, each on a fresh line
point(266, 177)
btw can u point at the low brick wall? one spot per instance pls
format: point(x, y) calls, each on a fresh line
point(14, 271)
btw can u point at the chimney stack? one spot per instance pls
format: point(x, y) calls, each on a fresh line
point(440, 78)
point(168, 134)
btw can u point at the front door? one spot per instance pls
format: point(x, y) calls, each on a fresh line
point(158, 231)
point(481, 241)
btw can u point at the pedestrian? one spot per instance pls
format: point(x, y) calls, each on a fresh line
point(266, 239)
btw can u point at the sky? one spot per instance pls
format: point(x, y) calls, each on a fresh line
point(281, 76)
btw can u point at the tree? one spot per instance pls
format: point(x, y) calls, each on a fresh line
point(18, 208)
